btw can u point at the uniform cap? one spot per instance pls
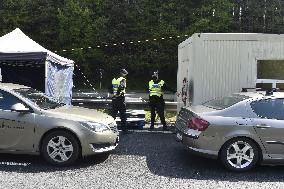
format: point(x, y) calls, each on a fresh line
point(123, 72)
point(155, 75)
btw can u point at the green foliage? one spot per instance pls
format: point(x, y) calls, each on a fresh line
point(74, 24)
point(213, 16)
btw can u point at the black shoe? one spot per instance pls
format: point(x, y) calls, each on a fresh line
point(151, 129)
point(166, 129)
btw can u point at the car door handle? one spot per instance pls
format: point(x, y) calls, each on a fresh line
point(263, 126)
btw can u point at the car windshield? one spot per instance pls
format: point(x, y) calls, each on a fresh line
point(38, 98)
point(225, 102)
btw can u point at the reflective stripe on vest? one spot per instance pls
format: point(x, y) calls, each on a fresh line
point(116, 83)
point(156, 88)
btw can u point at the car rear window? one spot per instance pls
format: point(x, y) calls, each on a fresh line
point(269, 108)
point(225, 102)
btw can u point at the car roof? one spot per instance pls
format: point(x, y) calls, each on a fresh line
point(11, 86)
point(261, 94)
point(251, 94)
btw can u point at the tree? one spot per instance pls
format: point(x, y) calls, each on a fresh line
point(109, 26)
point(213, 16)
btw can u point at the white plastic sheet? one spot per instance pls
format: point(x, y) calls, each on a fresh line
point(59, 82)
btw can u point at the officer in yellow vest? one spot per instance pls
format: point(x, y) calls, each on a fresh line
point(118, 99)
point(156, 100)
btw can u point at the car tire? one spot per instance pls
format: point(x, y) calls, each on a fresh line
point(60, 148)
point(239, 154)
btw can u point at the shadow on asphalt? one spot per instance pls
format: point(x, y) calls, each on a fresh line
point(164, 157)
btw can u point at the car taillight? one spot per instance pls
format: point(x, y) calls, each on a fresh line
point(198, 124)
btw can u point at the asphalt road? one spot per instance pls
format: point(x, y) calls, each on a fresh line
point(142, 160)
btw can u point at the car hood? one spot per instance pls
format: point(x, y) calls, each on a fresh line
point(81, 114)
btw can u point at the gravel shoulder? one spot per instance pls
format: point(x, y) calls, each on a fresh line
point(142, 160)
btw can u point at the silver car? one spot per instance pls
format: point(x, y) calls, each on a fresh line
point(241, 130)
point(32, 123)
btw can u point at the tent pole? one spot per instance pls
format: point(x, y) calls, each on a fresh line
point(45, 77)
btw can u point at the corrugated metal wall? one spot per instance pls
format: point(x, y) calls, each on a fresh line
point(185, 57)
point(221, 64)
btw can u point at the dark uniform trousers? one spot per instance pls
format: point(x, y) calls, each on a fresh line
point(157, 103)
point(118, 105)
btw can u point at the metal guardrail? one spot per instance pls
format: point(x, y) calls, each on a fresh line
point(106, 104)
point(274, 82)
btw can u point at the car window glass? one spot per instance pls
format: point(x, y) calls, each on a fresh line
point(7, 100)
point(269, 108)
point(38, 98)
point(225, 102)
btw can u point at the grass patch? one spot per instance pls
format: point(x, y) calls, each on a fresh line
point(170, 116)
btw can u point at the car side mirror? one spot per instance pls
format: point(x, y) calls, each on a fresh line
point(19, 107)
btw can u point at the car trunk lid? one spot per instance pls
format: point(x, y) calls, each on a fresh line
point(187, 114)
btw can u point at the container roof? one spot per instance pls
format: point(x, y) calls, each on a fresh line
point(233, 37)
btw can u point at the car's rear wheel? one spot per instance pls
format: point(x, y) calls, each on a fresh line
point(60, 148)
point(239, 154)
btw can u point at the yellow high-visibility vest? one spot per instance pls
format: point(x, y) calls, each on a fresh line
point(156, 89)
point(115, 85)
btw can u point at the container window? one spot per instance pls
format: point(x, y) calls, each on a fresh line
point(270, 69)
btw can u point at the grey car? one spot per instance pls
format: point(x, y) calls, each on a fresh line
point(241, 130)
point(32, 123)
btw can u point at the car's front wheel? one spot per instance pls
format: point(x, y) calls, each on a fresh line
point(239, 154)
point(60, 148)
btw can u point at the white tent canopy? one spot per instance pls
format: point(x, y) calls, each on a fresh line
point(56, 78)
point(16, 44)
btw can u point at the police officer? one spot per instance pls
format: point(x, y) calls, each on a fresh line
point(156, 100)
point(118, 99)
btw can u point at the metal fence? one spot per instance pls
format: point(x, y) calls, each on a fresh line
point(130, 104)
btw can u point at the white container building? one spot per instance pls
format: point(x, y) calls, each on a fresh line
point(212, 65)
